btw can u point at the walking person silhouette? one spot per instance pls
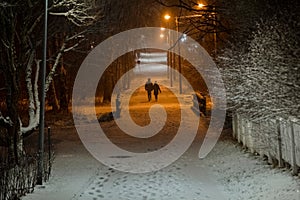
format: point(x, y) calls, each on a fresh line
point(156, 89)
point(149, 88)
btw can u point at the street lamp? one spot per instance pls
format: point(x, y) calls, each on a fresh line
point(167, 18)
point(215, 31)
point(40, 170)
point(183, 37)
point(214, 13)
point(200, 5)
point(179, 58)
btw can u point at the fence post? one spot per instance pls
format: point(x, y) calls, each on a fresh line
point(261, 147)
point(291, 122)
point(244, 123)
point(278, 126)
point(250, 138)
point(270, 144)
point(234, 125)
point(49, 152)
point(238, 117)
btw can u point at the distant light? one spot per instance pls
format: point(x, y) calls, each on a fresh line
point(162, 28)
point(183, 37)
point(200, 5)
point(161, 35)
point(92, 45)
point(167, 17)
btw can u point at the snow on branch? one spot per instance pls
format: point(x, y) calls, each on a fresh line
point(52, 71)
point(6, 122)
point(262, 80)
point(6, 5)
point(71, 48)
point(76, 11)
point(31, 107)
point(34, 103)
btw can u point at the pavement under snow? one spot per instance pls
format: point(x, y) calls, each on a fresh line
point(228, 172)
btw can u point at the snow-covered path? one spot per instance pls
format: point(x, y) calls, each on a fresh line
point(226, 173)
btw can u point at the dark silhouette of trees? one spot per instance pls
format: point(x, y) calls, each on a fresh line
point(258, 51)
point(205, 23)
point(20, 54)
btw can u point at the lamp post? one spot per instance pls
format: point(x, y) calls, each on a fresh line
point(202, 6)
point(179, 58)
point(215, 31)
point(199, 6)
point(40, 170)
point(179, 40)
point(170, 73)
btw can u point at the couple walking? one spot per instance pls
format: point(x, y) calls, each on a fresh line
point(149, 86)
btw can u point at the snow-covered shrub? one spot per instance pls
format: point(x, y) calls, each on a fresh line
point(263, 79)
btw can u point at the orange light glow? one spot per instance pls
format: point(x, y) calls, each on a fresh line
point(200, 5)
point(167, 17)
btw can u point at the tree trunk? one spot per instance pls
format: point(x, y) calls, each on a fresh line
point(108, 85)
point(63, 100)
point(15, 143)
point(53, 100)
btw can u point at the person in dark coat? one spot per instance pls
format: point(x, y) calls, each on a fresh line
point(156, 89)
point(149, 88)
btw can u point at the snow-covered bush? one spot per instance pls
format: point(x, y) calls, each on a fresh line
point(263, 79)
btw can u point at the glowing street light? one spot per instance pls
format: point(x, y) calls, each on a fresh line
point(167, 17)
point(200, 5)
point(183, 37)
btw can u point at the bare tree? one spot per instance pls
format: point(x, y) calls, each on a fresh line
point(204, 22)
point(21, 41)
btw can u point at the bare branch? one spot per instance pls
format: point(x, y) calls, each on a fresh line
point(31, 107)
point(34, 111)
point(77, 12)
point(6, 122)
point(52, 71)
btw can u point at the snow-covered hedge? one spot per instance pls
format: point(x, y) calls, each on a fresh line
point(263, 79)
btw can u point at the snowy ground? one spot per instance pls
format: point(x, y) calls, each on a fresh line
point(228, 172)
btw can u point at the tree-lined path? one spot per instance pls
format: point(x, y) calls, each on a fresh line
point(250, 56)
point(227, 172)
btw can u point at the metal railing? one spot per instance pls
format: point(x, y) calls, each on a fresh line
point(18, 180)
